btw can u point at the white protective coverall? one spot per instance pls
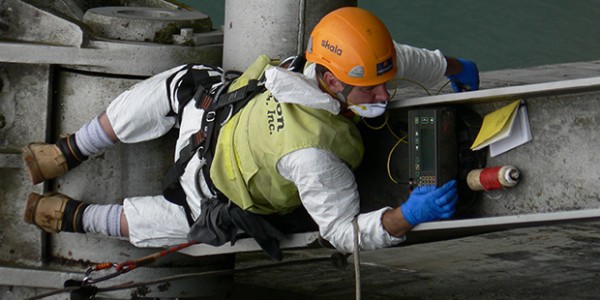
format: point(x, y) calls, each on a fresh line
point(326, 185)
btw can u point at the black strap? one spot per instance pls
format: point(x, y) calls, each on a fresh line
point(220, 221)
point(70, 150)
point(237, 95)
point(229, 104)
point(193, 85)
point(168, 83)
point(204, 141)
point(175, 194)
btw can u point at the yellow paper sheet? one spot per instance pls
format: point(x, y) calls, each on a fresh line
point(496, 125)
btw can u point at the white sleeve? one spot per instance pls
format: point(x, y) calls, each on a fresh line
point(424, 66)
point(329, 194)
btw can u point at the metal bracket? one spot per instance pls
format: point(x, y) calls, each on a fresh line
point(505, 93)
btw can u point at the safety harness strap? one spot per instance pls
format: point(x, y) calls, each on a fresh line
point(235, 100)
point(204, 140)
point(192, 85)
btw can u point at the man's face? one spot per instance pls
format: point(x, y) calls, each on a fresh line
point(368, 94)
point(358, 94)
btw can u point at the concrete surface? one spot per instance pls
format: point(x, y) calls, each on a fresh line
point(547, 262)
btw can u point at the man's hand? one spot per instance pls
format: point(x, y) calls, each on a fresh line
point(426, 203)
point(467, 79)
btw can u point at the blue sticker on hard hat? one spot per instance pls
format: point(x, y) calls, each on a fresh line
point(384, 66)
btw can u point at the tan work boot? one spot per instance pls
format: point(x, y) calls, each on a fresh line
point(47, 161)
point(54, 212)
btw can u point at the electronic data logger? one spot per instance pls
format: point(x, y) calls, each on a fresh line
point(432, 146)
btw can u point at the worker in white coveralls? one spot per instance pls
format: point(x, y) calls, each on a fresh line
point(293, 145)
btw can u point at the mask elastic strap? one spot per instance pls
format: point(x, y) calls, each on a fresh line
point(341, 96)
point(344, 93)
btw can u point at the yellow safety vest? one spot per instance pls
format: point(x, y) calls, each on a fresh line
point(251, 143)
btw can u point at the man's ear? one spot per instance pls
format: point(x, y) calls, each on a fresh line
point(333, 84)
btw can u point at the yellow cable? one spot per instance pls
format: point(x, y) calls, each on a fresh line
point(411, 81)
point(390, 158)
point(443, 86)
point(392, 131)
point(377, 127)
point(386, 123)
point(417, 84)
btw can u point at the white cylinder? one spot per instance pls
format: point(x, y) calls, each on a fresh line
point(278, 29)
point(493, 178)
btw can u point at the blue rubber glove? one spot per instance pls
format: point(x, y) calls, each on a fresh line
point(467, 79)
point(428, 203)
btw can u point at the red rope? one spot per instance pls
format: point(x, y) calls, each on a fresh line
point(129, 265)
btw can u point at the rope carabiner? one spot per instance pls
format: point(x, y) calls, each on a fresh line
point(129, 265)
point(89, 280)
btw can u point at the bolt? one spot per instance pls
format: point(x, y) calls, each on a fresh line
point(5, 15)
point(6, 12)
point(187, 32)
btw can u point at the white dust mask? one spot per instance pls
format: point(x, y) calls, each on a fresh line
point(369, 110)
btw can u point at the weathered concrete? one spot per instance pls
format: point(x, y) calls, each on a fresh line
point(52, 81)
point(279, 29)
point(143, 23)
point(550, 262)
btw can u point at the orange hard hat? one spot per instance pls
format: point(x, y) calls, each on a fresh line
point(355, 46)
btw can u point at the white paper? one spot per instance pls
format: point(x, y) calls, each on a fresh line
point(520, 134)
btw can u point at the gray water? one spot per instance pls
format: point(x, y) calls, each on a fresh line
point(500, 34)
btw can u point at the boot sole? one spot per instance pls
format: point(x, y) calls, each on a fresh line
point(35, 174)
point(31, 207)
